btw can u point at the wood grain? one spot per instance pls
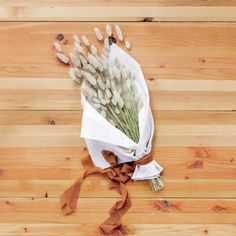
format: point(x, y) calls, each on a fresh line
point(208, 55)
point(98, 187)
point(190, 72)
point(121, 2)
point(64, 163)
point(118, 13)
point(134, 229)
point(97, 205)
point(67, 163)
point(16, 117)
point(69, 136)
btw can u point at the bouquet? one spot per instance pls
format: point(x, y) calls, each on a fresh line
point(117, 122)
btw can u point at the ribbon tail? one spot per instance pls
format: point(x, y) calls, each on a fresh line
point(70, 196)
point(112, 226)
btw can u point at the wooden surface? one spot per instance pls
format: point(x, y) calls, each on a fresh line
point(118, 10)
point(190, 69)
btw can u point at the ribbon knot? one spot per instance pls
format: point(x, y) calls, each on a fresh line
point(119, 174)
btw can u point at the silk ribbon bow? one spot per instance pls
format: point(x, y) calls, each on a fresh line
point(119, 174)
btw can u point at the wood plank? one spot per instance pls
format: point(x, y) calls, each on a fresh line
point(129, 29)
point(137, 229)
point(186, 61)
point(98, 187)
point(75, 141)
point(69, 163)
point(118, 13)
point(194, 117)
point(129, 218)
point(164, 41)
point(157, 84)
point(70, 156)
point(150, 73)
point(55, 94)
point(120, 3)
point(69, 135)
point(54, 99)
point(209, 54)
point(196, 230)
point(74, 117)
point(139, 205)
point(186, 74)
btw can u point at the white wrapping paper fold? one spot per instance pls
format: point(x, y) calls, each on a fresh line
point(100, 135)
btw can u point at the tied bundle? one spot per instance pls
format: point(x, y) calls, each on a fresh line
point(117, 122)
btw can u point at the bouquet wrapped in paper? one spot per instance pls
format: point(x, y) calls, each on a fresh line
point(117, 122)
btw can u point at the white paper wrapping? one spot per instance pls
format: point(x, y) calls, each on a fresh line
point(100, 135)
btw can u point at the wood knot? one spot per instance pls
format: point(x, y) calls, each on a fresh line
point(218, 208)
point(148, 19)
point(202, 60)
point(165, 203)
point(46, 195)
point(196, 164)
point(60, 37)
point(25, 229)
point(205, 231)
point(7, 202)
point(202, 153)
point(166, 206)
point(51, 122)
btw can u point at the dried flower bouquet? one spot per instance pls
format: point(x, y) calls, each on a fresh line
point(117, 122)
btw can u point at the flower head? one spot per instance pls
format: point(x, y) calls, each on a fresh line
point(98, 34)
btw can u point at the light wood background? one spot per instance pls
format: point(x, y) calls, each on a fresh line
point(189, 61)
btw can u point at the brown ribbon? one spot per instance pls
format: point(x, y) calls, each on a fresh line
point(119, 174)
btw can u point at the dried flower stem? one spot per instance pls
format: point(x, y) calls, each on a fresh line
point(156, 184)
